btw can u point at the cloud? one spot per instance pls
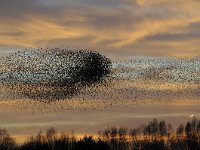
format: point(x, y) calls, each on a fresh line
point(115, 25)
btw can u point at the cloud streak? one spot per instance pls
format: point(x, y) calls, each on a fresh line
point(138, 27)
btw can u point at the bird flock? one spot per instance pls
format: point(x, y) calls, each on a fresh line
point(52, 73)
point(88, 81)
point(159, 78)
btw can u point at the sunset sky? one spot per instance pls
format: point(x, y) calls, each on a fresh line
point(152, 33)
point(118, 28)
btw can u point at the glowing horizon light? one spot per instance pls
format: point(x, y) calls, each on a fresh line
point(192, 115)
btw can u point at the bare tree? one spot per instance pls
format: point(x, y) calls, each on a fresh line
point(198, 127)
point(122, 133)
point(6, 142)
point(133, 133)
point(162, 128)
point(106, 134)
point(155, 127)
point(194, 124)
point(113, 132)
point(180, 130)
point(113, 135)
point(169, 130)
point(188, 129)
point(51, 134)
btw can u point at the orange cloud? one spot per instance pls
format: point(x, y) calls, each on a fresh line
point(123, 26)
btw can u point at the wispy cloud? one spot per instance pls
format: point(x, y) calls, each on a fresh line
point(141, 27)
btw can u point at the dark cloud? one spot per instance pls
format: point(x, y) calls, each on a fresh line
point(172, 37)
point(24, 7)
point(17, 33)
point(9, 8)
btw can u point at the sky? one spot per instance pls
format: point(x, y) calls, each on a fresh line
point(139, 91)
point(118, 28)
point(148, 85)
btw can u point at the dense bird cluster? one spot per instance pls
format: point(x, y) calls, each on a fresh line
point(52, 73)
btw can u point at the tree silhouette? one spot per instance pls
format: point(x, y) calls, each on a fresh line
point(162, 128)
point(198, 127)
point(6, 142)
point(169, 130)
point(155, 127)
point(113, 134)
point(180, 130)
point(188, 129)
point(161, 137)
point(194, 124)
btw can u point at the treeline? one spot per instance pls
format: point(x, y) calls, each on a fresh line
point(156, 135)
